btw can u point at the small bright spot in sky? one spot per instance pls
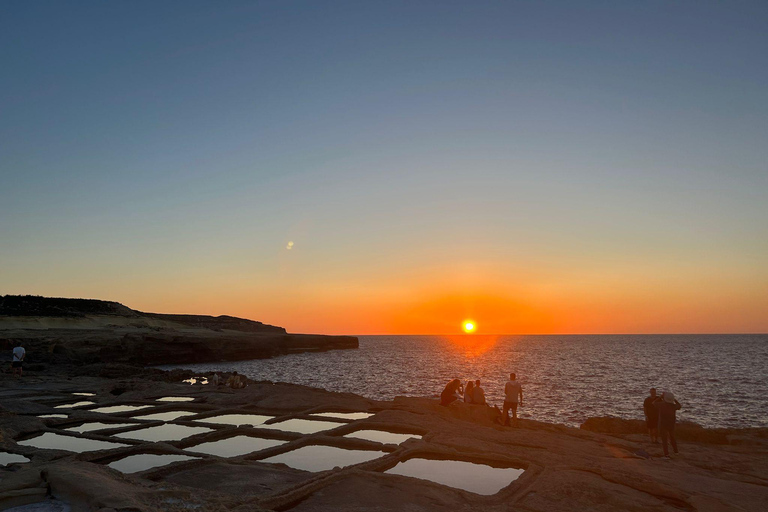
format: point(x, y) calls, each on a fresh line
point(469, 326)
point(289, 246)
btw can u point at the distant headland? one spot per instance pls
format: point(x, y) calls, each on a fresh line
point(88, 331)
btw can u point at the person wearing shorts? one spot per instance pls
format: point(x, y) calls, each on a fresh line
point(513, 396)
point(18, 359)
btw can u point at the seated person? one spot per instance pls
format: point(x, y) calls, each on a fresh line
point(478, 394)
point(468, 392)
point(451, 393)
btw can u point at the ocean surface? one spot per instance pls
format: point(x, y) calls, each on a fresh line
point(720, 380)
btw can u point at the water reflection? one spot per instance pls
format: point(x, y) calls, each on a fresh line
point(145, 461)
point(235, 446)
point(322, 458)
point(165, 416)
point(176, 399)
point(477, 478)
point(112, 409)
point(381, 436)
point(302, 426)
point(344, 415)
point(11, 458)
point(51, 441)
point(76, 404)
point(165, 432)
point(473, 345)
point(96, 425)
point(237, 419)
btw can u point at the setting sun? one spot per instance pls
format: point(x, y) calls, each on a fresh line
point(469, 326)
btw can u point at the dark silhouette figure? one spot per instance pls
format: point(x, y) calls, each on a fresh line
point(667, 408)
point(452, 392)
point(478, 394)
point(17, 364)
point(468, 396)
point(513, 396)
point(652, 416)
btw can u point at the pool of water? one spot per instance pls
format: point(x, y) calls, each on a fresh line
point(235, 446)
point(381, 436)
point(53, 416)
point(237, 419)
point(344, 415)
point(93, 426)
point(302, 426)
point(84, 394)
point(112, 409)
point(11, 458)
point(48, 505)
point(321, 458)
point(477, 478)
point(164, 416)
point(176, 399)
point(76, 404)
point(145, 461)
point(166, 432)
point(52, 441)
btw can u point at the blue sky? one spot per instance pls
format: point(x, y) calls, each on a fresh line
point(163, 153)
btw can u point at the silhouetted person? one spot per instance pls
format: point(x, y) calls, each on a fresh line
point(451, 393)
point(652, 416)
point(468, 396)
point(667, 408)
point(513, 396)
point(478, 394)
point(17, 364)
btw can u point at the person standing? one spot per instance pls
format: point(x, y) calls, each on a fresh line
point(652, 416)
point(513, 396)
point(18, 359)
point(667, 408)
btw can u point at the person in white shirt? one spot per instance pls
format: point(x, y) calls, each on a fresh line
point(513, 396)
point(18, 359)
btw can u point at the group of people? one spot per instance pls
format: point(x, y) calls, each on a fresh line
point(660, 418)
point(473, 393)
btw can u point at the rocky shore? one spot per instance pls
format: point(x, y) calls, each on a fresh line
point(80, 332)
point(263, 430)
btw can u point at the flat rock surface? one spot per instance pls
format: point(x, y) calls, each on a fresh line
point(564, 468)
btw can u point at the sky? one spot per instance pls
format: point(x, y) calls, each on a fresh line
point(391, 167)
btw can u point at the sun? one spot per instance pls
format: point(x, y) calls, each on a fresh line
point(469, 326)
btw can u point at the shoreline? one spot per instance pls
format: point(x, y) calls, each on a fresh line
point(564, 468)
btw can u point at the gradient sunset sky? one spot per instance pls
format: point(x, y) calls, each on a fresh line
point(539, 167)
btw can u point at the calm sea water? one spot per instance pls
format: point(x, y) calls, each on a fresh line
point(720, 380)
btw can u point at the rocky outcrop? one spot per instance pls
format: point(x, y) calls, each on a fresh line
point(82, 331)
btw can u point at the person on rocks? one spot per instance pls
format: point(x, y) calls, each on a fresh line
point(478, 394)
point(235, 381)
point(652, 416)
point(17, 363)
point(468, 396)
point(667, 408)
point(513, 396)
point(452, 392)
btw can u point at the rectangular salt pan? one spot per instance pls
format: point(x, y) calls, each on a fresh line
point(165, 432)
point(175, 399)
point(120, 408)
point(52, 441)
point(322, 458)
point(91, 427)
point(76, 404)
point(237, 419)
point(302, 426)
point(344, 415)
point(235, 446)
point(145, 461)
point(381, 436)
point(477, 478)
point(165, 416)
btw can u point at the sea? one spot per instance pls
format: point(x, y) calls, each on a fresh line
point(720, 380)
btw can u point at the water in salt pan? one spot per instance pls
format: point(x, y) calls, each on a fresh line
point(477, 478)
point(321, 458)
point(165, 432)
point(237, 419)
point(381, 436)
point(11, 458)
point(165, 416)
point(120, 408)
point(345, 415)
point(302, 426)
point(76, 404)
point(84, 394)
point(176, 399)
point(235, 446)
point(97, 425)
point(53, 416)
point(52, 441)
point(145, 461)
